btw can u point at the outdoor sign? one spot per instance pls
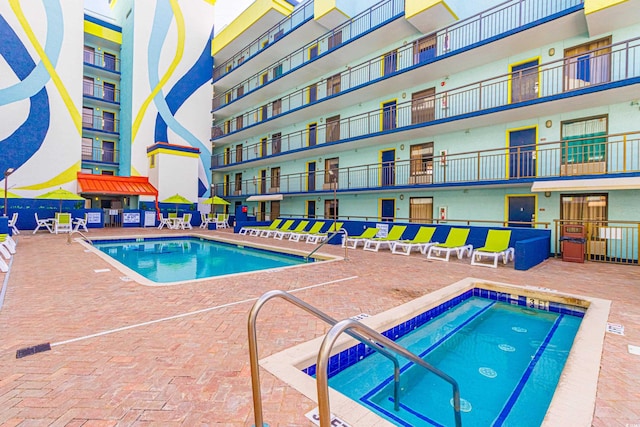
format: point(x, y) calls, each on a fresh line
point(131, 218)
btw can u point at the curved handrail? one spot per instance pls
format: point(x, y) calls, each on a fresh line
point(80, 233)
point(253, 347)
point(329, 237)
point(346, 325)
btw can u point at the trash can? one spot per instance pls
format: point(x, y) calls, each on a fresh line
point(572, 241)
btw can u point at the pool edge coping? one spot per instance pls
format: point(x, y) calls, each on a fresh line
point(574, 399)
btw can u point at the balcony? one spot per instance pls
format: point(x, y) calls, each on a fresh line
point(101, 92)
point(301, 14)
point(485, 28)
point(105, 62)
point(99, 155)
point(595, 78)
point(607, 155)
point(100, 124)
point(317, 51)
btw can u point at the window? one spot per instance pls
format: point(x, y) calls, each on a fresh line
point(238, 184)
point(108, 121)
point(277, 71)
point(275, 179)
point(227, 97)
point(331, 167)
point(238, 153)
point(331, 209)
point(87, 86)
point(333, 128)
point(585, 142)
point(87, 117)
point(424, 49)
point(333, 85)
point(108, 151)
point(227, 126)
point(335, 39)
point(587, 64)
point(264, 78)
point(239, 91)
point(390, 62)
point(276, 143)
point(109, 91)
point(227, 155)
point(421, 209)
point(313, 51)
point(87, 148)
point(239, 123)
point(423, 106)
point(240, 60)
point(580, 207)
point(89, 55)
point(110, 62)
point(276, 107)
point(421, 168)
point(227, 184)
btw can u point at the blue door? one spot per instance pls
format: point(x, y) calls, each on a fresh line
point(522, 209)
point(388, 168)
point(311, 176)
point(389, 115)
point(313, 134)
point(524, 81)
point(522, 153)
point(311, 209)
point(388, 209)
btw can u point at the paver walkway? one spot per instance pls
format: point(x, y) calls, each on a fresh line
point(192, 370)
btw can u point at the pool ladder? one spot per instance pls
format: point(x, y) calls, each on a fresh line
point(329, 237)
point(355, 329)
point(80, 233)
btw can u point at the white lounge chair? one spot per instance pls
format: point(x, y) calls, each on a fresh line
point(353, 241)
point(456, 242)
point(80, 222)
point(377, 243)
point(62, 223)
point(421, 241)
point(496, 245)
point(12, 223)
point(45, 222)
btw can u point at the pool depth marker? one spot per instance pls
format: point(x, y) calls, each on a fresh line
point(27, 351)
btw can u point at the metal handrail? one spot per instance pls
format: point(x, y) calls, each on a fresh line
point(253, 347)
point(347, 325)
point(329, 237)
point(80, 233)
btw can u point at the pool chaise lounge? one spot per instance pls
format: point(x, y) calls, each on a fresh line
point(421, 241)
point(496, 245)
point(456, 242)
point(353, 241)
point(272, 232)
point(321, 237)
point(296, 236)
point(281, 234)
point(255, 231)
point(377, 243)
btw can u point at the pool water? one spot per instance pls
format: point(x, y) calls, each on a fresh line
point(165, 260)
point(507, 359)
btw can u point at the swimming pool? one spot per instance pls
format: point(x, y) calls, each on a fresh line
point(535, 351)
point(163, 260)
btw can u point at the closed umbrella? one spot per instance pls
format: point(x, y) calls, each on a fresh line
point(60, 194)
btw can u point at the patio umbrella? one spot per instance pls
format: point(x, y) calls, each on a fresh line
point(60, 194)
point(215, 200)
point(178, 200)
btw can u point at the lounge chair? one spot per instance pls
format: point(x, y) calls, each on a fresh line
point(46, 223)
point(281, 234)
point(165, 221)
point(456, 242)
point(12, 223)
point(296, 236)
point(255, 231)
point(394, 235)
point(63, 223)
point(284, 227)
point(79, 223)
point(495, 246)
point(421, 241)
point(4, 254)
point(184, 222)
point(8, 242)
point(205, 220)
point(321, 237)
point(353, 241)
point(222, 221)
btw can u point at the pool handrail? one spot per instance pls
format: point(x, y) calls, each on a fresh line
point(346, 326)
point(253, 348)
point(329, 237)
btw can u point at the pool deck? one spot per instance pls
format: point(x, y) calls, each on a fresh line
point(127, 354)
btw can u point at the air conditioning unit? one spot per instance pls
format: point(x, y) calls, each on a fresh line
point(237, 193)
point(591, 168)
point(274, 189)
point(329, 186)
point(420, 179)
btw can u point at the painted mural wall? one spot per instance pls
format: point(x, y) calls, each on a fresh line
point(168, 78)
point(41, 93)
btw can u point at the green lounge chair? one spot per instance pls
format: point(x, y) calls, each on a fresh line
point(281, 234)
point(456, 242)
point(422, 241)
point(353, 241)
point(302, 235)
point(321, 237)
point(495, 246)
point(63, 223)
point(394, 235)
point(271, 232)
point(255, 231)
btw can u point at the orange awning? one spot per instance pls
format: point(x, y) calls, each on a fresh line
point(120, 185)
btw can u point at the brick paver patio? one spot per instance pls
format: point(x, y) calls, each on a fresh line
point(177, 355)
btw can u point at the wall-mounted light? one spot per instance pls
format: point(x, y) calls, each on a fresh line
point(402, 197)
point(404, 95)
point(401, 147)
point(547, 194)
point(548, 123)
point(552, 51)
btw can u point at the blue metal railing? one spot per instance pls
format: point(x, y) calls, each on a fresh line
point(544, 82)
point(106, 62)
point(105, 93)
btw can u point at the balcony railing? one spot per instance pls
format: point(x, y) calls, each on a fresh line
point(105, 93)
point(100, 123)
point(480, 28)
point(608, 154)
point(300, 15)
point(104, 61)
point(614, 63)
point(93, 154)
point(378, 14)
